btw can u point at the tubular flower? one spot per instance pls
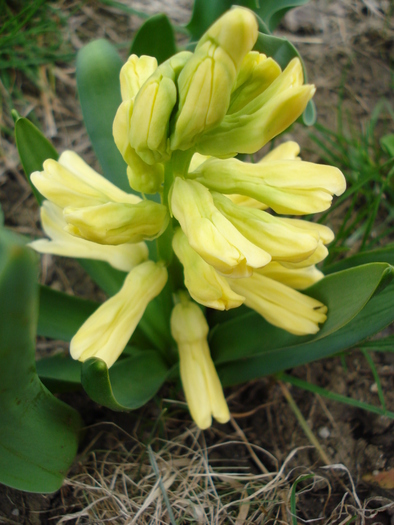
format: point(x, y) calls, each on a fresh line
point(105, 333)
point(205, 284)
point(122, 257)
point(93, 208)
point(280, 305)
point(178, 128)
point(203, 391)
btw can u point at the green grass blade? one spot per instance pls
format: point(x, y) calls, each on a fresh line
point(299, 383)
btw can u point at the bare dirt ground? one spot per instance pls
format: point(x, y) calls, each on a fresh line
point(348, 49)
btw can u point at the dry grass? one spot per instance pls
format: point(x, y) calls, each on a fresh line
point(185, 480)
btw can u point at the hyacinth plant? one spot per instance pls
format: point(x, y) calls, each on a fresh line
point(191, 231)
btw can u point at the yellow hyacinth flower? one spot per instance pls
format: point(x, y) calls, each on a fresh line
point(206, 81)
point(263, 118)
point(280, 305)
point(210, 234)
point(201, 384)
point(179, 128)
point(298, 278)
point(256, 74)
point(287, 186)
point(95, 209)
point(117, 223)
point(71, 180)
point(142, 177)
point(283, 241)
point(153, 106)
point(204, 283)
point(106, 332)
point(122, 257)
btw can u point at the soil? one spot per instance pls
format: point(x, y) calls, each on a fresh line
point(347, 46)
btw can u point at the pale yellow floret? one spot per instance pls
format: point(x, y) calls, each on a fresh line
point(287, 186)
point(122, 257)
point(286, 151)
point(71, 180)
point(280, 305)
point(210, 234)
point(204, 283)
point(283, 241)
point(201, 384)
point(264, 117)
point(298, 278)
point(106, 332)
point(117, 223)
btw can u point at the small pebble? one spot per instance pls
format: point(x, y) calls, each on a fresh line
point(15, 512)
point(324, 432)
point(374, 388)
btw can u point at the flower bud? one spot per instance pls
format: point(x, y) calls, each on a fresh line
point(201, 384)
point(134, 73)
point(143, 177)
point(250, 128)
point(152, 109)
point(256, 74)
point(106, 332)
point(206, 81)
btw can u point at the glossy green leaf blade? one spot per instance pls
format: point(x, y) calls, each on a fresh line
point(385, 254)
point(305, 385)
point(98, 68)
point(380, 345)
point(155, 38)
point(272, 11)
point(38, 433)
point(375, 316)
point(345, 294)
point(129, 383)
point(33, 149)
point(59, 373)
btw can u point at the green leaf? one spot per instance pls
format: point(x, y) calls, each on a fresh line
point(305, 385)
point(38, 433)
point(272, 11)
point(59, 373)
point(155, 38)
point(385, 254)
point(98, 68)
point(385, 344)
point(33, 149)
point(257, 348)
point(206, 12)
point(387, 143)
point(129, 383)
